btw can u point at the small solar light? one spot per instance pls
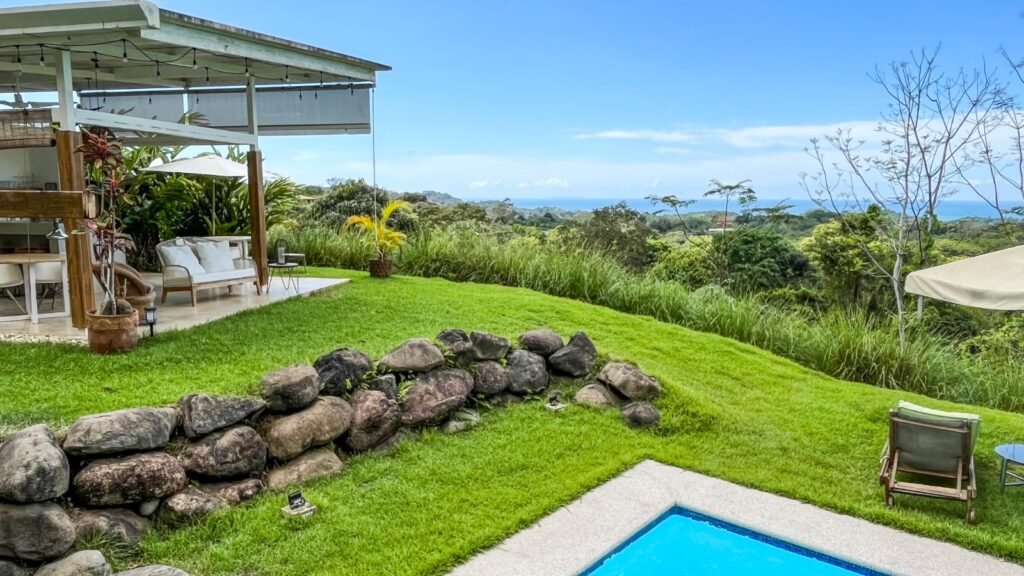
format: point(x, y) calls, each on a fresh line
point(150, 316)
point(553, 404)
point(298, 506)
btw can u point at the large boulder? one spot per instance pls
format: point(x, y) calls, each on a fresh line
point(451, 337)
point(115, 525)
point(12, 569)
point(84, 563)
point(416, 355)
point(290, 389)
point(576, 358)
point(461, 421)
point(202, 414)
point(132, 430)
point(434, 395)
point(342, 370)
point(489, 378)
point(641, 414)
point(541, 341)
point(596, 396)
point(154, 570)
point(310, 466)
point(488, 346)
point(113, 482)
point(386, 383)
point(35, 532)
point(376, 418)
point(189, 505)
point(234, 492)
point(32, 467)
point(629, 381)
point(527, 372)
point(289, 436)
point(233, 453)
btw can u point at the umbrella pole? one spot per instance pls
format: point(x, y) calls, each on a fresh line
point(213, 210)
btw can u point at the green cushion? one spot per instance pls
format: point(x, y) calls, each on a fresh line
point(930, 415)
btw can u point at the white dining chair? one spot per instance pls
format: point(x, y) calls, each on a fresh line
point(10, 277)
point(51, 276)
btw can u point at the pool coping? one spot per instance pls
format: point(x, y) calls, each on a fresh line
point(571, 539)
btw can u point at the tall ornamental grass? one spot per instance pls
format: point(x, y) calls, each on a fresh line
point(843, 344)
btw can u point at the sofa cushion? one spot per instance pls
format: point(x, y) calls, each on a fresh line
point(215, 256)
point(181, 256)
point(210, 277)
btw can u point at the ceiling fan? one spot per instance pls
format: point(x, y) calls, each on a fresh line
point(19, 103)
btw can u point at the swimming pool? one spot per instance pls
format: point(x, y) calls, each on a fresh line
point(682, 542)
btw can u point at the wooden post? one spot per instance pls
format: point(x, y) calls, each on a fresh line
point(257, 215)
point(72, 177)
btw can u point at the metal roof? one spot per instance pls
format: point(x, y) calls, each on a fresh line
point(127, 44)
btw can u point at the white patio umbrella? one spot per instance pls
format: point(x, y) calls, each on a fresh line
point(210, 165)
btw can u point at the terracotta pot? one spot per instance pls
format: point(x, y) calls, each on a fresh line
point(380, 268)
point(112, 333)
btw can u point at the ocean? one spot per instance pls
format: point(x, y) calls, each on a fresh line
point(948, 209)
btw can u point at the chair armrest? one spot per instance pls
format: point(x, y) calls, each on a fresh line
point(243, 263)
point(187, 274)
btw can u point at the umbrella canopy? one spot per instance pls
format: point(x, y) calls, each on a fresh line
point(211, 165)
point(993, 281)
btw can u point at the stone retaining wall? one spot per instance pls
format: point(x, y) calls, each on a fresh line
point(114, 474)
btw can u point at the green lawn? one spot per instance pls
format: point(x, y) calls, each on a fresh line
point(729, 410)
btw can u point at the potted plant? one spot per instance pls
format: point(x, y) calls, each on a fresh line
point(385, 239)
point(113, 326)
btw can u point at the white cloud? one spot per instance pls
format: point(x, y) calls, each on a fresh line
point(673, 150)
point(787, 136)
point(552, 183)
point(485, 183)
point(523, 185)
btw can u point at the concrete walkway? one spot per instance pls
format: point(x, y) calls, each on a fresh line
point(576, 536)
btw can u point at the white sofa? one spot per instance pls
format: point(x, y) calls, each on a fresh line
point(193, 264)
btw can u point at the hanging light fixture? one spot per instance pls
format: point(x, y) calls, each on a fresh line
point(42, 57)
point(20, 67)
point(58, 232)
point(124, 51)
point(195, 64)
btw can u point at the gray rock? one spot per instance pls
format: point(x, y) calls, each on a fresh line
point(235, 493)
point(154, 570)
point(527, 372)
point(202, 414)
point(386, 383)
point(376, 417)
point(12, 569)
point(629, 381)
point(233, 453)
point(35, 532)
point(118, 481)
point(640, 414)
point(84, 563)
point(342, 370)
point(189, 505)
point(289, 436)
point(541, 341)
point(596, 396)
point(488, 346)
point(449, 337)
point(32, 467)
point(434, 395)
point(463, 420)
point(132, 430)
point(391, 443)
point(505, 399)
point(291, 388)
point(116, 525)
point(149, 507)
point(416, 355)
point(314, 464)
point(489, 378)
point(577, 357)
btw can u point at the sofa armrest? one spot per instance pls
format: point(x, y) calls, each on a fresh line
point(175, 271)
point(243, 263)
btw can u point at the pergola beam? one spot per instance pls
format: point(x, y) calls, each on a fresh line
point(195, 134)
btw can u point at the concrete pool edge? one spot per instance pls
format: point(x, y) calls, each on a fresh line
point(571, 539)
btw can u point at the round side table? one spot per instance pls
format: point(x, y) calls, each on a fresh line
point(286, 272)
point(1011, 454)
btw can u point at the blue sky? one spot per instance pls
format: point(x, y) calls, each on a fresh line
point(534, 99)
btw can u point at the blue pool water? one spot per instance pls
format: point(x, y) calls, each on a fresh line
point(686, 543)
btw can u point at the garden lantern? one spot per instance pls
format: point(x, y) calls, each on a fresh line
point(282, 251)
point(150, 316)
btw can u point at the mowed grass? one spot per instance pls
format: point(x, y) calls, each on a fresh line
point(729, 410)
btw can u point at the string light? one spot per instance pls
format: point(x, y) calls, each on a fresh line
point(207, 75)
point(20, 67)
point(42, 58)
point(286, 80)
point(157, 68)
point(124, 51)
point(246, 67)
point(194, 64)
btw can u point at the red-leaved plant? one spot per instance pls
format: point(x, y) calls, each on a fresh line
point(101, 150)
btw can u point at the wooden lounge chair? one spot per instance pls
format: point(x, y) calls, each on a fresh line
point(930, 445)
point(130, 286)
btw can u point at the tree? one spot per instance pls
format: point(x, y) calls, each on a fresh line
point(760, 259)
point(932, 119)
point(837, 250)
point(622, 233)
point(347, 198)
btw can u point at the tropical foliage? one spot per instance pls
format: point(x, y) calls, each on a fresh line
point(385, 239)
